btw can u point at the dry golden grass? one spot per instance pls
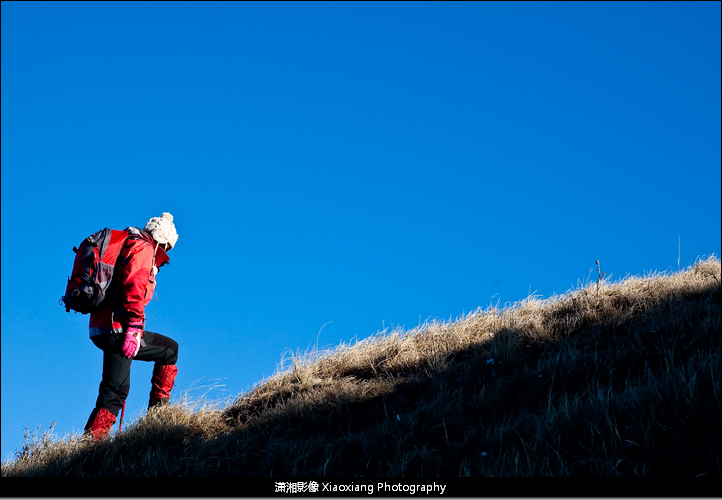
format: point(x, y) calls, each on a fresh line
point(612, 379)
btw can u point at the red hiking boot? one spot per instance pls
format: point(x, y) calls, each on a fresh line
point(99, 424)
point(162, 382)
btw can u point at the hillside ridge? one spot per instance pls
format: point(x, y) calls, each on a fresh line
point(611, 379)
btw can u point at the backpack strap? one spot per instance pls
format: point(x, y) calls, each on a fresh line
point(135, 233)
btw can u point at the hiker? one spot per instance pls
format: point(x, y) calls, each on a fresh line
point(118, 328)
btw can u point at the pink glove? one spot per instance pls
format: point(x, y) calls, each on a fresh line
point(131, 346)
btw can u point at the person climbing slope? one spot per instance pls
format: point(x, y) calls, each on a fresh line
point(118, 327)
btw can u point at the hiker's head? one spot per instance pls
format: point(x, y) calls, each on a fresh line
point(163, 230)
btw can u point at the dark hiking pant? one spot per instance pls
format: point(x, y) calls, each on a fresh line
point(115, 385)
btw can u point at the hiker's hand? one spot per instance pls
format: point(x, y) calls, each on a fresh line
point(131, 346)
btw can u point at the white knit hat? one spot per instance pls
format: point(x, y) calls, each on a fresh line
point(162, 229)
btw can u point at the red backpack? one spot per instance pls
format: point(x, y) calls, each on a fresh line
point(93, 270)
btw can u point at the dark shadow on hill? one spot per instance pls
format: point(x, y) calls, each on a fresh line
point(483, 405)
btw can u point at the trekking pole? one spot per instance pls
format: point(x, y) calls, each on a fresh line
point(122, 414)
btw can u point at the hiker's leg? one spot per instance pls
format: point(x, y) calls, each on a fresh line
point(114, 385)
point(158, 348)
point(164, 352)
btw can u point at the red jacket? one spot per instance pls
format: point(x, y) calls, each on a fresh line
point(133, 285)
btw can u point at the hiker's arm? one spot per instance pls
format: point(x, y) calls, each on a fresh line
point(136, 284)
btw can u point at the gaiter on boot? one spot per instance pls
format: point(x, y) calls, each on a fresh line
point(99, 423)
point(162, 383)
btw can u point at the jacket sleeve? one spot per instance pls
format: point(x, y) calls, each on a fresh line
point(136, 284)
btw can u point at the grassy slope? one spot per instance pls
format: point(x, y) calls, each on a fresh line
point(614, 379)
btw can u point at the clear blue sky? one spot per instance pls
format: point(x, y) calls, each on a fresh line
point(355, 165)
